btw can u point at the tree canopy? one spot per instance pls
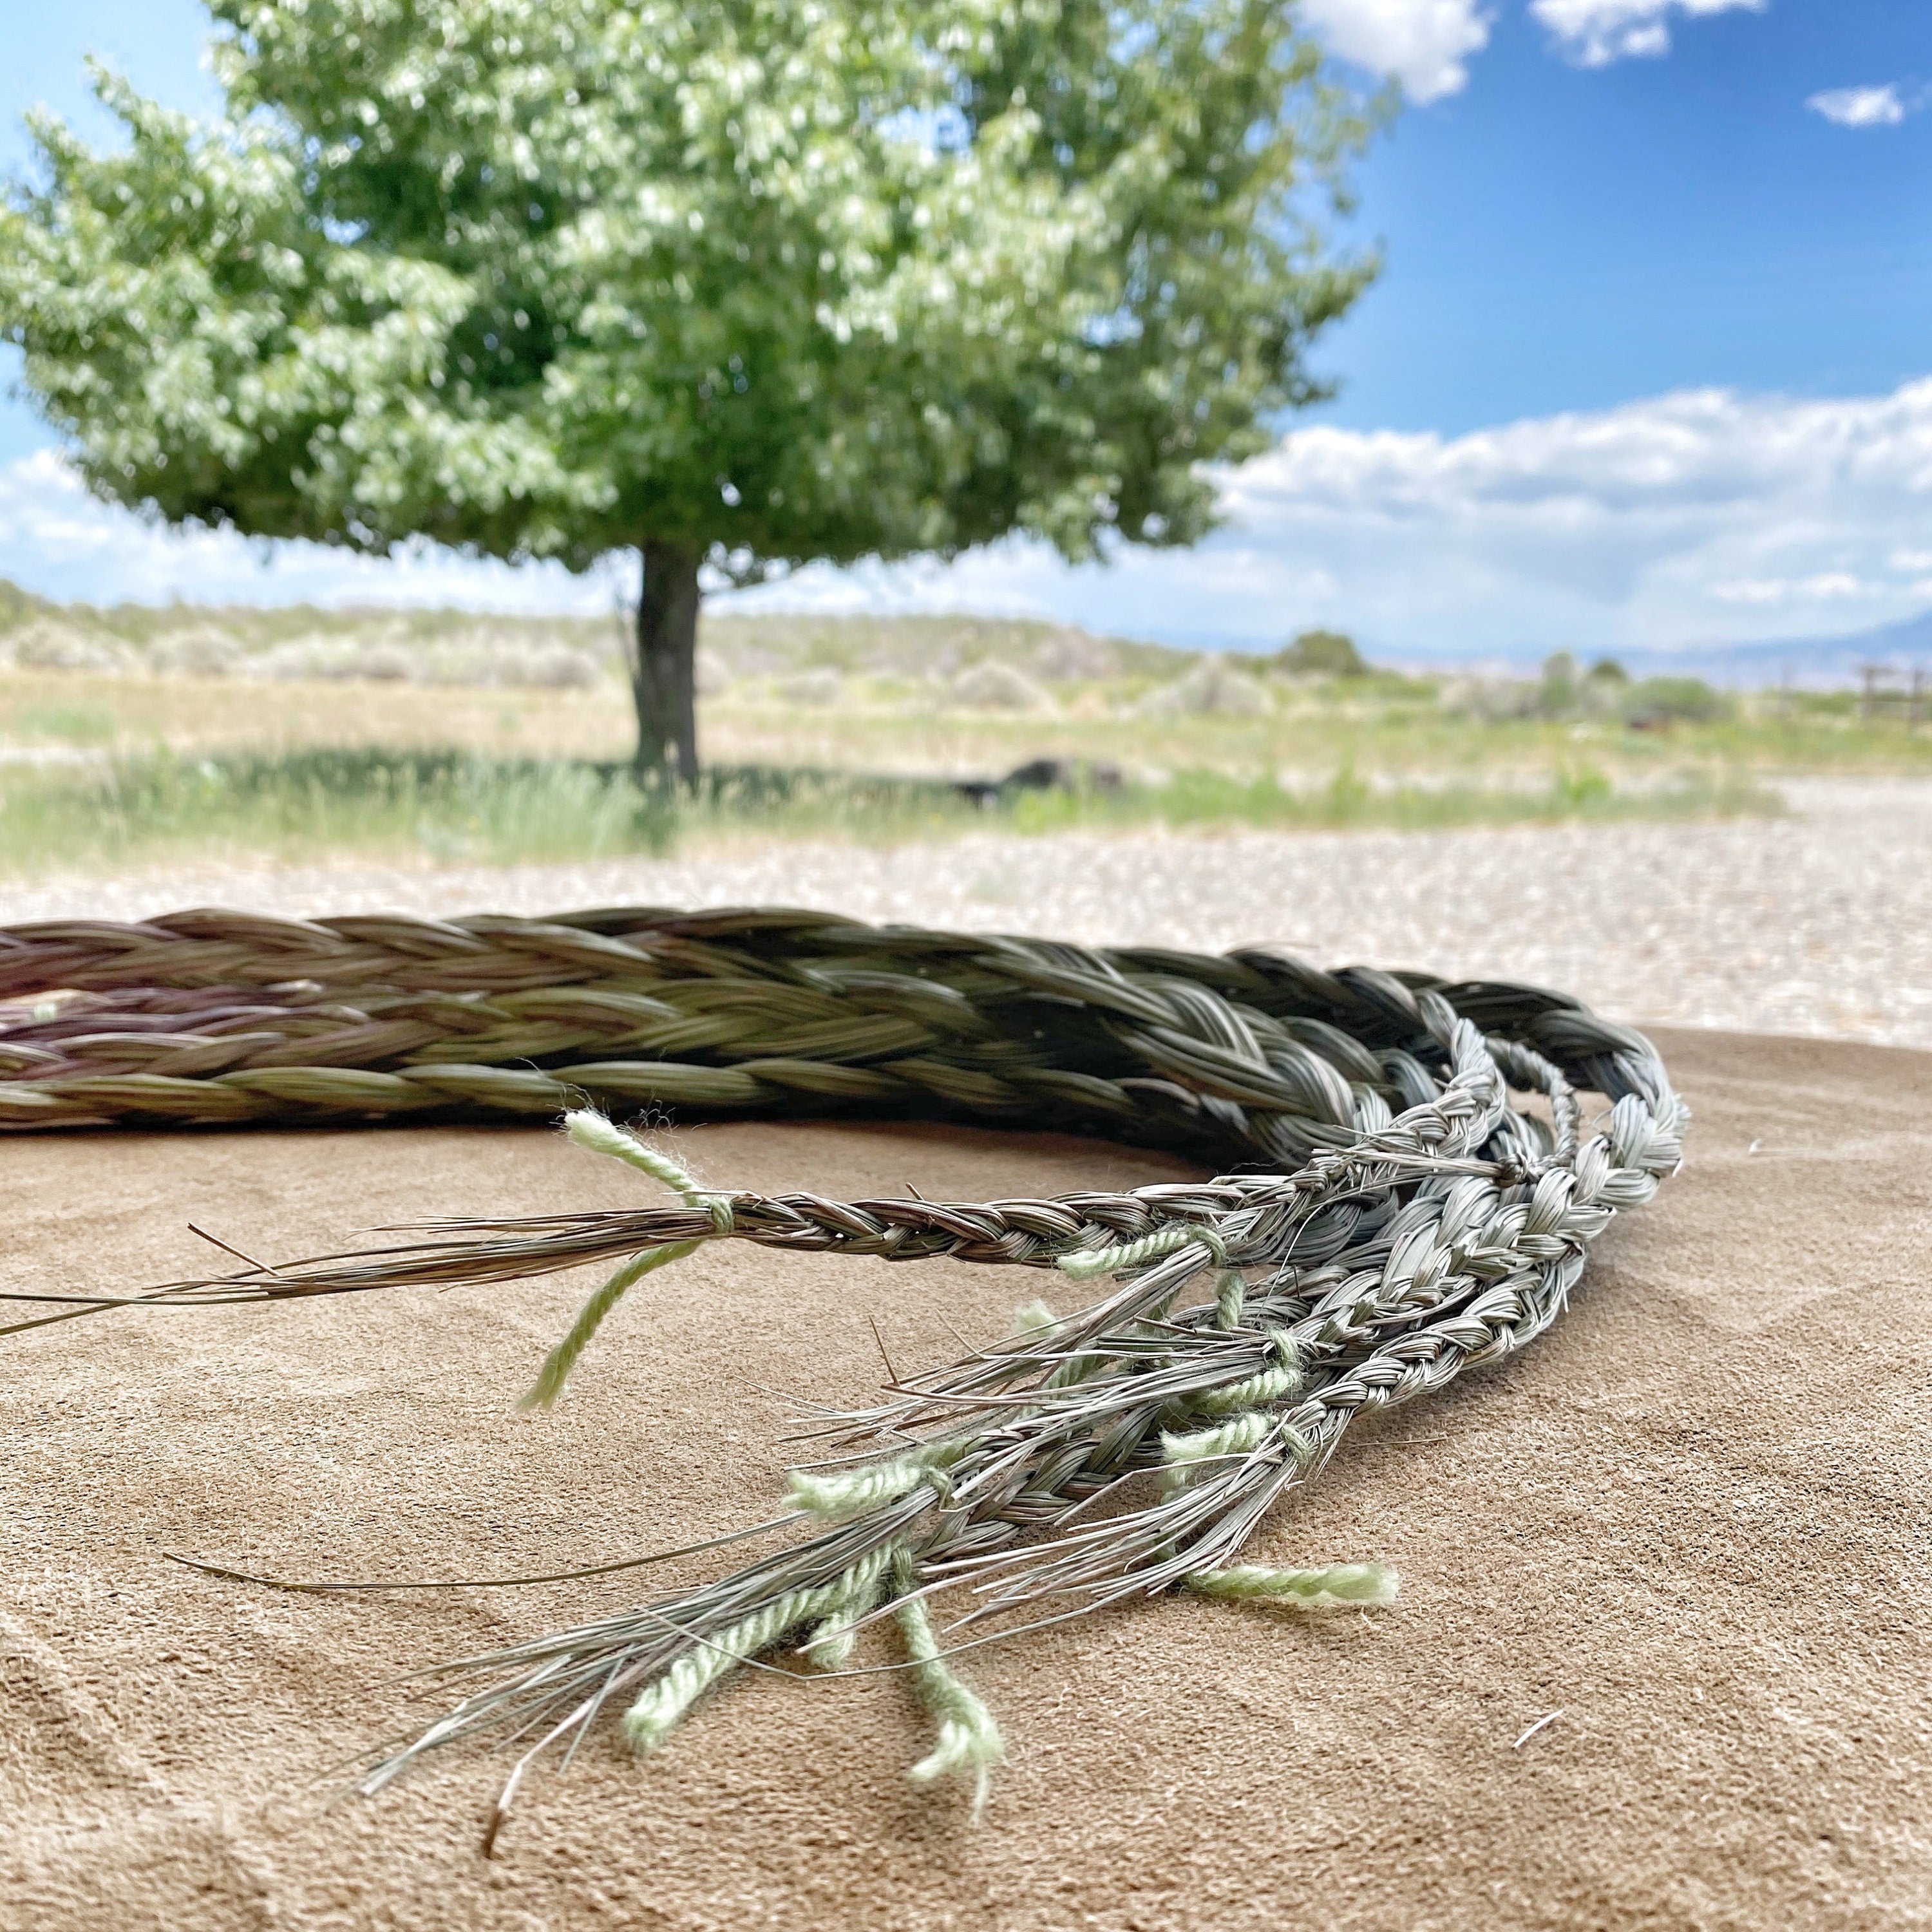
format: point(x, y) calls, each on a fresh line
point(750, 283)
point(1321, 654)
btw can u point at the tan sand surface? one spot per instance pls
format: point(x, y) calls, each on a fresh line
point(1694, 1519)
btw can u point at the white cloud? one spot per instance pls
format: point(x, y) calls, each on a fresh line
point(1825, 586)
point(1701, 517)
point(57, 539)
point(1596, 32)
point(1860, 106)
point(1422, 42)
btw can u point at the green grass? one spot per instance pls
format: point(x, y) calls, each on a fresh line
point(454, 806)
point(77, 725)
point(1209, 799)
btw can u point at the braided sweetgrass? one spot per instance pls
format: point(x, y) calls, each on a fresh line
point(216, 1018)
point(1394, 1216)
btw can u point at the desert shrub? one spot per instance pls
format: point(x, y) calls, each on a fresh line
point(820, 686)
point(1660, 701)
point(1321, 654)
point(993, 686)
point(50, 643)
point(1214, 687)
point(199, 653)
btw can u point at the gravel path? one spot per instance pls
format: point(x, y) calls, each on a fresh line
point(1820, 922)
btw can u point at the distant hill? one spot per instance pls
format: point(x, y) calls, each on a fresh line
point(17, 605)
point(464, 647)
point(1812, 662)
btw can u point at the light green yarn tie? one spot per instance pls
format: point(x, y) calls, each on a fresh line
point(1084, 1264)
point(1336, 1587)
point(591, 1129)
point(843, 1492)
point(544, 1392)
point(594, 1131)
point(1180, 1454)
point(666, 1700)
point(969, 1740)
point(1274, 1384)
point(1230, 1293)
point(830, 1645)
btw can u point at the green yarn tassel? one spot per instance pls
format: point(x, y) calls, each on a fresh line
point(969, 1740)
point(1337, 1587)
point(544, 1392)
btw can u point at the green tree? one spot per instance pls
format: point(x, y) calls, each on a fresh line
point(1321, 654)
point(731, 284)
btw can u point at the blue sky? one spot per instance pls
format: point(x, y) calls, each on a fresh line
point(1647, 366)
point(1562, 236)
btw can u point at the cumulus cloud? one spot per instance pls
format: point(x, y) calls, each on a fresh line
point(1422, 43)
point(1860, 106)
point(1594, 33)
point(57, 539)
point(1701, 518)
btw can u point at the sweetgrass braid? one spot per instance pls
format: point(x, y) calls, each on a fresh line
point(215, 1018)
point(1397, 1215)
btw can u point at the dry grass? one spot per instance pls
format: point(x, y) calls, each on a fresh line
point(106, 712)
point(103, 769)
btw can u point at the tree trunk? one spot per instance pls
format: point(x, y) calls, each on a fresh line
point(663, 669)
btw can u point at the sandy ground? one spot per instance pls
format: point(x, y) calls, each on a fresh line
point(1818, 923)
point(1690, 1521)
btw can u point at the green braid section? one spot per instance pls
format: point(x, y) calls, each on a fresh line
point(663, 1701)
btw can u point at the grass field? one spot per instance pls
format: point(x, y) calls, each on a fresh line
point(857, 729)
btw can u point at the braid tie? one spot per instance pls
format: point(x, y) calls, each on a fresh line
point(1338, 1587)
point(969, 1741)
point(1086, 1263)
point(593, 1130)
point(658, 1707)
